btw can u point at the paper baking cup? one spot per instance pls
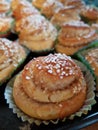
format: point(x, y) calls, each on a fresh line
point(90, 100)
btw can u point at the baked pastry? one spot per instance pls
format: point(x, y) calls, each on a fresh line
point(4, 6)
point(65, 15)
point(77, 3)
point(52, 86)
point(22, 9)
point(38, 3)
point(6, 25)
point(90, 13)
point(95, 26)
point(11, 56)
point(50, 7)
point(73, 36)
point(92, 58)
point(36, 33)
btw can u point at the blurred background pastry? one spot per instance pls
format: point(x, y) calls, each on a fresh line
point(11, 56)
point(74, 36)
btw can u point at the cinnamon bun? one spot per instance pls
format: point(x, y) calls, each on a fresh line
point(92, 58)
point(6, 26)
point(65, 15)
point(52, 86)
point(38, 3)
point(36, 33)
point(22, 9)
point(11, 56)
point(4, 6)
point(50, 7)
point(74, 35)
point(89, 12)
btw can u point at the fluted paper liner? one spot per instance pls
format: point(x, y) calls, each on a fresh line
point(90, 100)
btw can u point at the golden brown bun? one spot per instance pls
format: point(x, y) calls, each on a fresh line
point(52, 86)
point(90, 13)
point(6, 24)
point(38, 3)
point(77, 3)
point(69, 13)
point(49, 7)
point(4, 6)
point(76, 34)
point(92, 57)
point(67, 50)
point(22, 8)
point(36, 33)
point(11, 54)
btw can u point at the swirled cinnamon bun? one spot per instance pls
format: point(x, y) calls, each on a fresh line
point(11, 55)
point(65, 15)
point(6, 25)
point(95, 25)
point(38, 3)
point(4, 6)
point(22, 9)
point(77, 3)
point(92, 58)
point(75, 35)
point(91, 13)
point(50, 7)
point(52, 86)
point(36, 33)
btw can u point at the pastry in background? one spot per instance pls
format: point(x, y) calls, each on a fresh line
point(73, 36)
point(52, 86)
point(11, 56)
point(6, 26)
point(4, 6)
point(92, 58)
point(76, 3)
point(50, 7)
point(36, 33)
point(38, 3)
point(65, 15)
point(89, 13)
point(89, 57)
point(22, 9)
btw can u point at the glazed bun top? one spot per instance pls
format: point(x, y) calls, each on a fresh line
point(44, 78)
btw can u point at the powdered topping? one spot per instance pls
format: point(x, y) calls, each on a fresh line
point(25, 3)
point(94, 54)
point(58, 64)
point(76, 23)
point(30, 10)
point(10, 51)
point(52, 75)
point(5, 24)
point(40, 26)
point(4, 6)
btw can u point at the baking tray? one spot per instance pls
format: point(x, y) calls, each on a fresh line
point(9, 121)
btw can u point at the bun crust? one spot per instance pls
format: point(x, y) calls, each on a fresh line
point(52, 86)
point(11, 55)
point(92, 58)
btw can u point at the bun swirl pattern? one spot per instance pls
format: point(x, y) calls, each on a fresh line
point(11, 55)
point(50, 86)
